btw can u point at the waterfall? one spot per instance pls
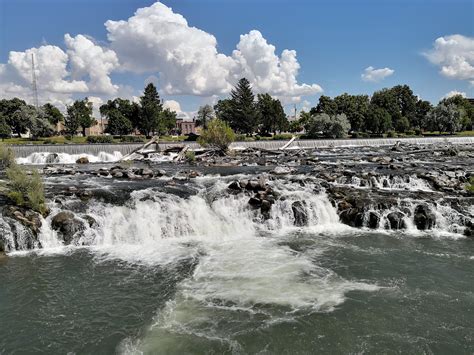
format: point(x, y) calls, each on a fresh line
point(24, 151)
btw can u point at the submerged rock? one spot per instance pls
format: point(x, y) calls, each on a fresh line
point(82, 160)
point(424, 218)
point(396, 220)
point(299, 213)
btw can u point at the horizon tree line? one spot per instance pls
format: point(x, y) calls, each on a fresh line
point(390, 109)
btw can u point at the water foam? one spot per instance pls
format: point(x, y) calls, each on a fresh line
point(42, 158)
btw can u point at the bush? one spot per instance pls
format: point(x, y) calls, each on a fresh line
point(190, 156)
point(99, 139)
point(418, 132)
point(391, 134)
point(410, 133)
point(26, 189)
point(218, 135)
point(282, 136)
point(132, 139)
point(470, 185)
point(7, 158)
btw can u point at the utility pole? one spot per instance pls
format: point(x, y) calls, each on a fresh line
point(33, 84)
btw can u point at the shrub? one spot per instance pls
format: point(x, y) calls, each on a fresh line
point(132, 139)
point(218, 135)
point(99, 139)
point(410, 133)
point(282, 136)
point(418, 132)
point(470, 185)
point(7, 158)
point(190, 156)
point(391, 134)
point(26, 189)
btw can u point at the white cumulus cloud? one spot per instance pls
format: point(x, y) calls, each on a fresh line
point(454, 55)
point(454, 93)
point(157, 40)
point(376, 75)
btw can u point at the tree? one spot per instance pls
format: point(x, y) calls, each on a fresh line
point(378, 120)
point(52, 114)
point(422, 109)
point(444, 118)
point(402, 125)
point(335, 126)
point(243, 115)
point(79, 115)
point(130, 110)
point(205, 114)
point(150, 109)
point(33, 121)
point(167, 121)
point(271, 114)
point(223, 110)
point(118, 124)
point(325, 105)
point(5, 130)
point(8, 108)
point(355, 107)
point(466, 109)
point(218, 134)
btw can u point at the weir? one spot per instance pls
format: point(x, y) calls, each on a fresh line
point(23, 151)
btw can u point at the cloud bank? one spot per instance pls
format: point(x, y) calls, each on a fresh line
point(158, 42)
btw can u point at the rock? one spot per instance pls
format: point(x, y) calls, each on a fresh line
point(90, 220)
point(373, 220)
point(343, 205)
point(424, 218)
point(299, 214)
point(235, 186)
point(146, 172)
point(243, 183)
point(283, 170)
point(117, 174)
point(352, 217)
point(51, 158)
point(395, 220)
point(82, 160)
point(67, 225)
point(160, 173)
point(28, 218)
point(255, 202)
point(266, 206)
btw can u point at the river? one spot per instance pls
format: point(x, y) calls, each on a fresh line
point(179, 265)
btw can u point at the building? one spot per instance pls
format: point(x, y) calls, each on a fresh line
point(98, 129)
point(185, 127)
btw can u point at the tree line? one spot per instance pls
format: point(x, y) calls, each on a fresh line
point(124, 116)
point(391, 109)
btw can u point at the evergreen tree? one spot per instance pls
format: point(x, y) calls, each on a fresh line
point(150, 109)
point(243, 109)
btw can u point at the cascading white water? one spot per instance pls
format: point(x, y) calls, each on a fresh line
point(41, 158)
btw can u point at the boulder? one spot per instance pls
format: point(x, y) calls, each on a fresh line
point(255, 202)
point(67, 225)
point(395, 220)
point(353, 217)
point(424, 218)
point(28, 218)
point(82, 160)
point(235, 186)
point(373, 220)
point(299, 214)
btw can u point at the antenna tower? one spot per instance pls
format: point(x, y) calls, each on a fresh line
point(33, 84)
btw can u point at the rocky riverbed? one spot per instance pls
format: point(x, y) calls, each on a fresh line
point(401, 187)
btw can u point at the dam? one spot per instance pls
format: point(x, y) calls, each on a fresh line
point(24, 151)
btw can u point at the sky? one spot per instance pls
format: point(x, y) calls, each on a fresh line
point(196, 50)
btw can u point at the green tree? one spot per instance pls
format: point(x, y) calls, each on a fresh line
point(243, 115)
point(79, 115)
point(150, 109)
point(52, 114)
point(421, 111)
point(399, 102)
point(118, 124)
point(325, 105)
point(223, 110)
point(444, 118)
point(335, 126)
point(167, 121)
point(271, 114)
point(128, 109)
point(378, 120)
point(8, 108)
point(205, 114)
point(355, 107)
point(466, 110)
point(218, 134)
point(5, 130)
point(33, 120)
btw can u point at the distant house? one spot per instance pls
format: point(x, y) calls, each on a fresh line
point(185, 127)
point(95, 130)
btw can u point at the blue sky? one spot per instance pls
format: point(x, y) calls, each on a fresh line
point(334, 41)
